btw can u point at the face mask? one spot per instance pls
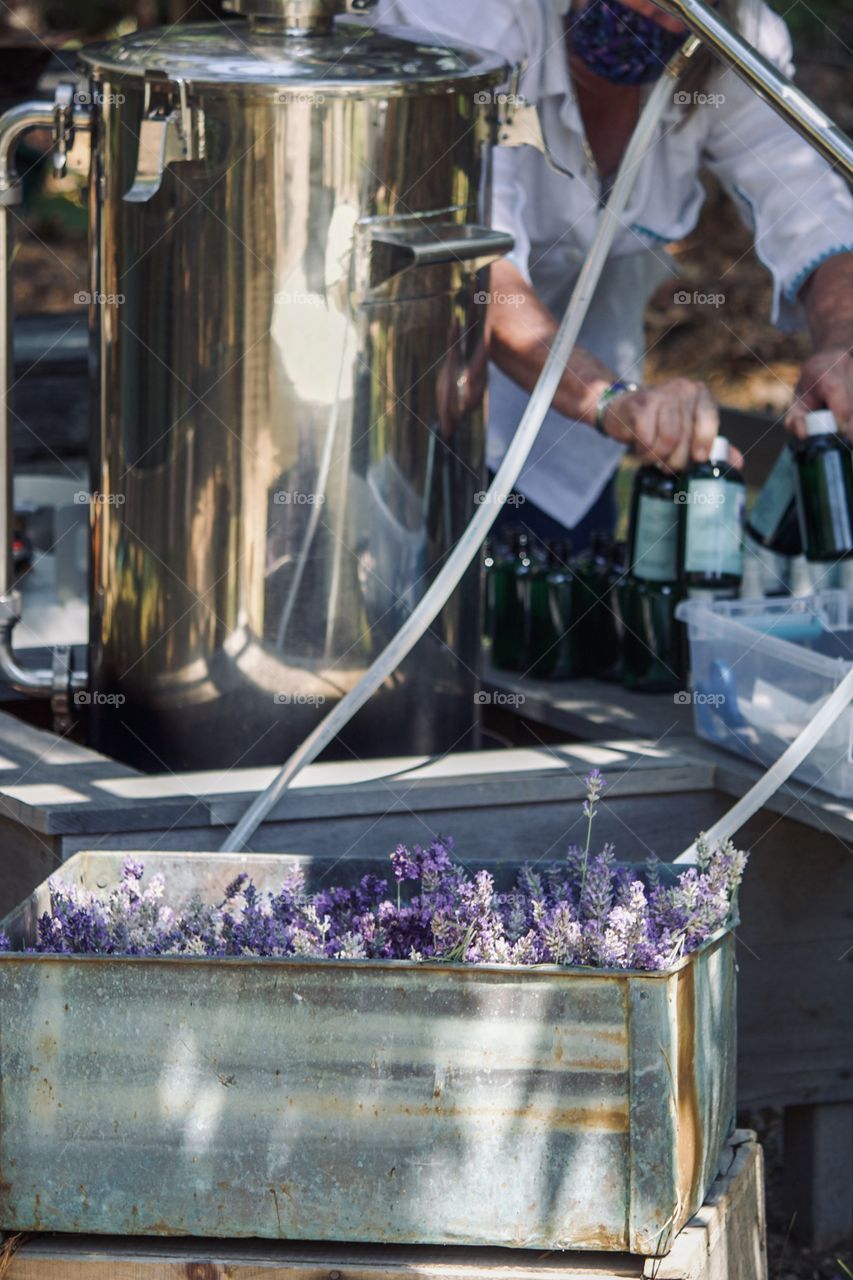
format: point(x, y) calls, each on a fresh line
point(621, 45)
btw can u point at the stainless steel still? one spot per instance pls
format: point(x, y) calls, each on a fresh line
point(288, 333)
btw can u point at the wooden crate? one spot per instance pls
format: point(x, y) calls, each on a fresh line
point(724, 1241)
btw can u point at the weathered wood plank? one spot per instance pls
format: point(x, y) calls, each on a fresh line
point(726, 1240)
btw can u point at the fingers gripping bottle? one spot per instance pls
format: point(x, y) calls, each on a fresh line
point(712, 497)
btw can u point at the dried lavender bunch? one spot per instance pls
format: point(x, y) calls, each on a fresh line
point(582, 911)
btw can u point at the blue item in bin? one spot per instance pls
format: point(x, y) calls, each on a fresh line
point(718, 697)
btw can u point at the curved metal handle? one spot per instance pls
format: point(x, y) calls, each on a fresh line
point(172, 131)
point(63, 117)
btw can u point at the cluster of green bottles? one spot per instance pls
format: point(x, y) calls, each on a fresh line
point(610, 612)
point(552, 615)
point(685, 539)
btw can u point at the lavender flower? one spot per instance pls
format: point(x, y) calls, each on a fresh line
point(583, 911)
point(406, 867)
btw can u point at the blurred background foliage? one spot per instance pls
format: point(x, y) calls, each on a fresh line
point(75, 20)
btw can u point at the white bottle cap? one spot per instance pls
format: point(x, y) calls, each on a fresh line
point(719, 450)
point(821, 423)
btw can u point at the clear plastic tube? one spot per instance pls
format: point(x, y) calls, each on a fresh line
point(471, 540)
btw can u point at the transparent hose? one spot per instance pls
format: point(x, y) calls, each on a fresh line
point(780, 772)
point(471, 540)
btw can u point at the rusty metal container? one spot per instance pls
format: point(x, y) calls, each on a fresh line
point(356, 1100)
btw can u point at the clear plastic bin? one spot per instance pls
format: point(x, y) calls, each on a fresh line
point(761, 668)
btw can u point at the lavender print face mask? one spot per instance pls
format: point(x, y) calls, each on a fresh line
point(620, 45)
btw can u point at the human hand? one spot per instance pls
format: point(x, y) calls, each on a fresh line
point(825, 382)
point(670, 425)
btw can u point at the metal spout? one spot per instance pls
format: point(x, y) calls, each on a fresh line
point(290, 17)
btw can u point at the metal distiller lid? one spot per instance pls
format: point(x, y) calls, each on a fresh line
point(293, 44)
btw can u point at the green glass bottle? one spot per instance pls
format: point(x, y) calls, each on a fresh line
point(539, 634)
point(592, 625)
point(711, 535)
point(653, 526)
point(609, 655)
point(548, 651)
point(772, 521)
point(824, 486)
point(508, 606)
point(490, 556)
point(561, 597)
point(653, 645)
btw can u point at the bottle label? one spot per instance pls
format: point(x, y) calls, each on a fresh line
point(774, 499)
point(656, 540)
point(714, 515)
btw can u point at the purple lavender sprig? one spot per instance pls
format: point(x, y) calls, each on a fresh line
point(584, 911)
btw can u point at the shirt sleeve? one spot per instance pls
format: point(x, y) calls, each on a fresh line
point(799, 210)
point(480, 24)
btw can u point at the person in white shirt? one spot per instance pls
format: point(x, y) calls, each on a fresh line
point(586, 65)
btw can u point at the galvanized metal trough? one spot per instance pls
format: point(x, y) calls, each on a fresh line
point(356, 1100)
